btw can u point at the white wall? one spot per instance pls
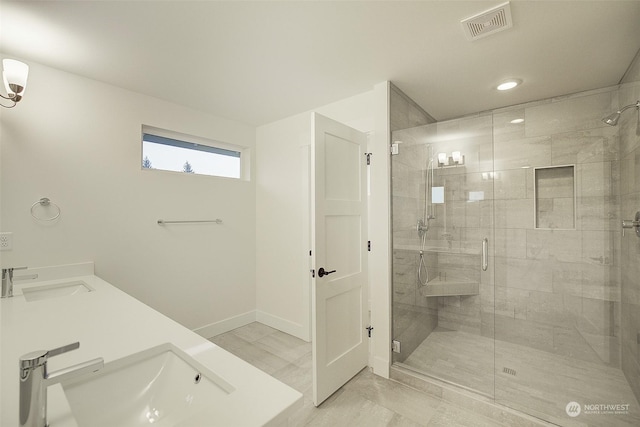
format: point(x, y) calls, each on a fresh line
point(380, 233)
point(282, 224)
point(282, 215)
point(77, 141)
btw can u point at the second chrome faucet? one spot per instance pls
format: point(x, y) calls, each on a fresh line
point(34, 380)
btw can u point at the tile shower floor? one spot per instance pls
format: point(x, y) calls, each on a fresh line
point(366, 401)
point(538, 381)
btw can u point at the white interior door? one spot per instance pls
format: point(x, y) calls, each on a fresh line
point(339, 255)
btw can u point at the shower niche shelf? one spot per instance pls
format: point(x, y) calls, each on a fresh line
point(448, 288)
point(555, 197)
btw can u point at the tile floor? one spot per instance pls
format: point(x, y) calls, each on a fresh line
point(367, 400)
point(541, 383)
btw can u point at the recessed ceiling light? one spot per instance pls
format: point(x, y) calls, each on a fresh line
point(509, 84)
point(516, 121)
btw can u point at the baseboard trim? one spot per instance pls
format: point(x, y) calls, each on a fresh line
point(226, 325)
point(381, 367)
point(284, 325)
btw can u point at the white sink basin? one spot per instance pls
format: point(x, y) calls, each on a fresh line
point(36, 293)
point(161, 386)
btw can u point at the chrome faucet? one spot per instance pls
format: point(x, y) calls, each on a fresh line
point(34, 380)
point(8, 279)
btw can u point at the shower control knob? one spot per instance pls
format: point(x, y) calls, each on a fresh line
point(323, 272)
point(630, 223)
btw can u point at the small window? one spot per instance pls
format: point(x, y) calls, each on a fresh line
point(180, 153)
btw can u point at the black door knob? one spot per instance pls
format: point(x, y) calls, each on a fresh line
point(322, 272)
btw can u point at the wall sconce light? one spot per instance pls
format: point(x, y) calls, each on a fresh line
point(446, 161)
point(488, 176)
point(14, 74)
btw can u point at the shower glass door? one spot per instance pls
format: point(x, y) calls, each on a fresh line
point(443, 234)
point(557, 252)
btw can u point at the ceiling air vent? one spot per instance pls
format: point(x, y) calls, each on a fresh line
point(488, 22)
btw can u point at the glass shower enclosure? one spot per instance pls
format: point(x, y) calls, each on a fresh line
point(506, 248)
point(442, 190)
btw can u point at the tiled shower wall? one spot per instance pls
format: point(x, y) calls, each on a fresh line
point(454, 240)
point(629, 125)
point(405, 113)
point(412, 322)
point(556, 290)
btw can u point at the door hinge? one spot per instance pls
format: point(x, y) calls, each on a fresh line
point(395, 346)
point(395, 148)
point(368, 158)
point(369, 329)
point(369, 245)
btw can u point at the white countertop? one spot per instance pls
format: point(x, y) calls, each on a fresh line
point(110, 324)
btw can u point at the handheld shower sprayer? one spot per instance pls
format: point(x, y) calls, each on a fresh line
point(422, 226)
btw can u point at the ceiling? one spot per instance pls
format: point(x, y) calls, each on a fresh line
point(257, 62)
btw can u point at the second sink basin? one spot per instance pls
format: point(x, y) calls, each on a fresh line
point(162, 386)
point(36, 293)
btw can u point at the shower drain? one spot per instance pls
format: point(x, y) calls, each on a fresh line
point(509, 371)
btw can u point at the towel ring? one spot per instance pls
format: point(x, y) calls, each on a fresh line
point(45, 202)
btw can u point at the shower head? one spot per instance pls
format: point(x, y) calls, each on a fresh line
point(612, 119)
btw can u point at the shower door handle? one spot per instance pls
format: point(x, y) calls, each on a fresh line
point(485, 254)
